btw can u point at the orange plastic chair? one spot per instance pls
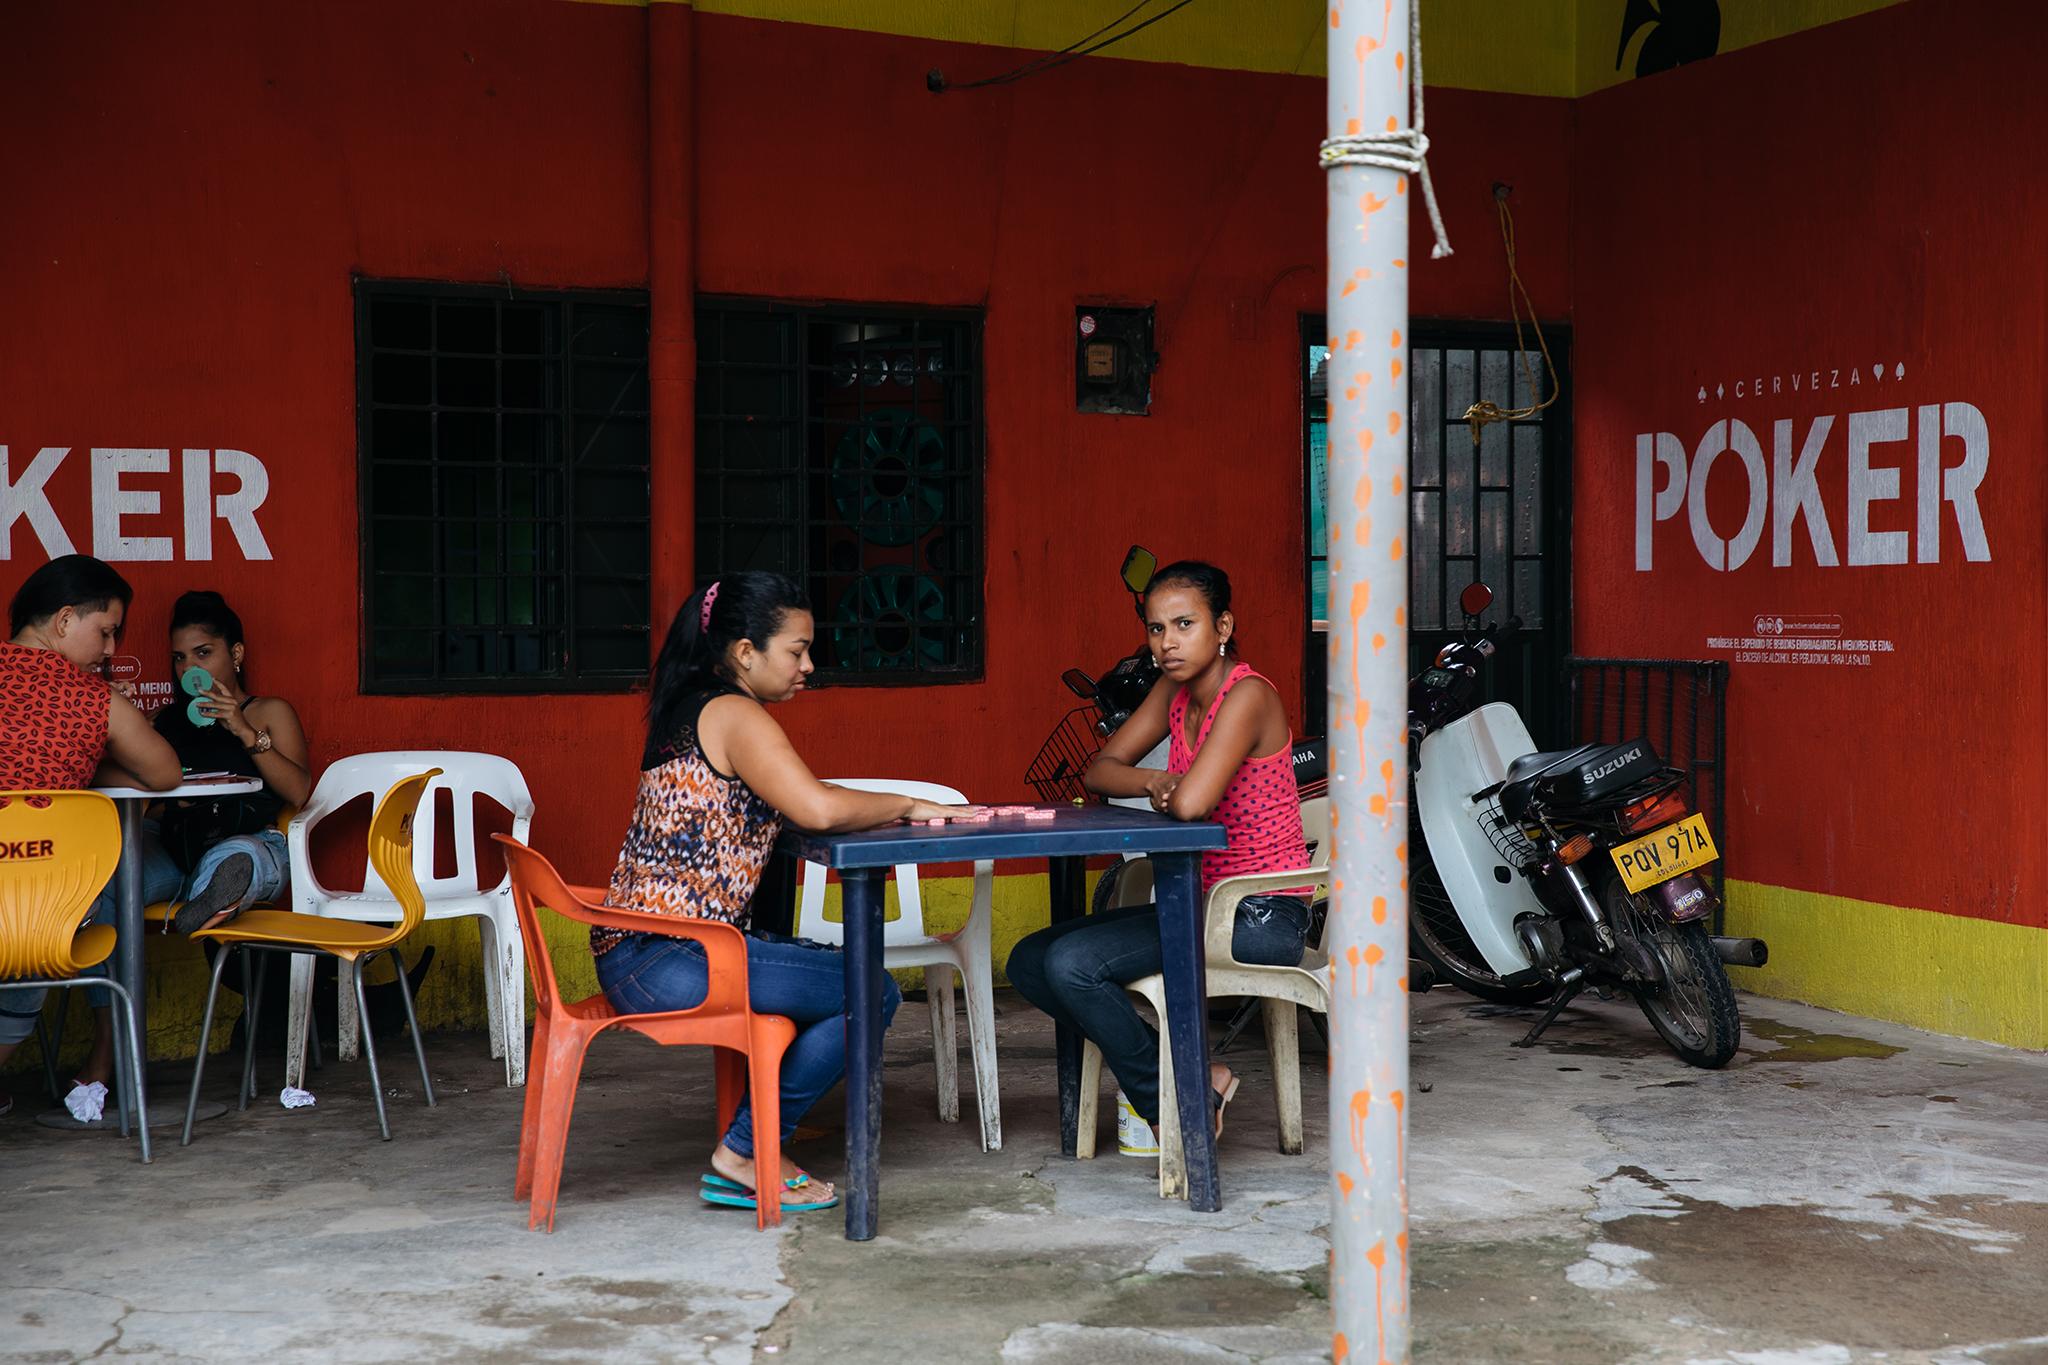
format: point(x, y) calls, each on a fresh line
point(749, 1045)
point(285, 931)
point(57, 850)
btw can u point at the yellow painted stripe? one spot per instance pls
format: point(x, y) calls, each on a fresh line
point(1524, 48)
point(1527, 47)
point(1975, 978)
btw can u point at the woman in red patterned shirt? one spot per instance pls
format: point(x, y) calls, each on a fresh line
point(63, 727)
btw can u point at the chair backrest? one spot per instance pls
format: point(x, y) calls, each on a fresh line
point(908, 926)
point(466, 775)
point(535, 882)
point(1315, 825)
point(57, 849)
point(391, 846)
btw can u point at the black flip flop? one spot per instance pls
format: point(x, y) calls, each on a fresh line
point(230, 883)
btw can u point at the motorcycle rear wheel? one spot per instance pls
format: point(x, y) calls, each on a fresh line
point(1693, 1009)
point(1438, 937)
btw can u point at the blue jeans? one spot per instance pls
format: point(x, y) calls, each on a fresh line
point(1076, 972)
point(806, 982)
point(161, 881)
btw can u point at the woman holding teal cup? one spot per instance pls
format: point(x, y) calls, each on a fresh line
point(228, 851)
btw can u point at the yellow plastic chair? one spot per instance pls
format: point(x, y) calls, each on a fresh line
point(57, 850)
point(352, 942)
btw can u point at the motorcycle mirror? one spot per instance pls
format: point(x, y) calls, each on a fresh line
point(1080, 684)
point(1139, 566)
point(1476, 598)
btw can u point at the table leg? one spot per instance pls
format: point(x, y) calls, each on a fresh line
point(1177, 886)
point(861, 909)
point(1069, 881)
point(129, 927)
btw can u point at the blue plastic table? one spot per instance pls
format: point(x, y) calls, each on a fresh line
point(863, 861)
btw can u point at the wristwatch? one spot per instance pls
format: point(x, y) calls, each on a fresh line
point(262, 744)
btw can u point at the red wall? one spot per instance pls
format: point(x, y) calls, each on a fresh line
point(1835, 201)
point(202, 182)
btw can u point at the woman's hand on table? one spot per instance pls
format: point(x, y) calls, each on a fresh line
point(1159, 789)
point(932, 810)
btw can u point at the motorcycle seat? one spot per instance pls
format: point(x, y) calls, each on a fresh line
point(1530, 765)
point(1589, 772)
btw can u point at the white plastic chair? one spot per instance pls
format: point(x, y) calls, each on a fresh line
point(467, 776)
point(907, 943)
point(1280, 989)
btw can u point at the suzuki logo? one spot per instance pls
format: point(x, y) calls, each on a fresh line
point(1595, 774)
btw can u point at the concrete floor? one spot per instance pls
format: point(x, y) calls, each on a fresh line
point(1844, 1192)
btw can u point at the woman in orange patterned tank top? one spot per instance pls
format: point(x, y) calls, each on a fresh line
point(1230, 760)
point(63, 727)
point(718, 778)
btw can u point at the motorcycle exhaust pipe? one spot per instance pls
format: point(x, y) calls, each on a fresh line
point(1742, 952)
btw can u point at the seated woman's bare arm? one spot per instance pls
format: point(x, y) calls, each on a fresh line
point(740, 737)
point(1114, 771)
point(286, 768)
point(137, 756)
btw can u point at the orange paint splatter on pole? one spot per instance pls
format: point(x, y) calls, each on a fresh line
point(1397, 547)
point(1374, 956)
point(1397, 369)
point(1340, 1349)
point(1379, 642)
point(1379, 913)
point(1394, 420)
point(1351, 956)
point(1361, 1107)
point(1345, 1184)
point(1351, 341)
point(1378, 1257)
point(1397, 338)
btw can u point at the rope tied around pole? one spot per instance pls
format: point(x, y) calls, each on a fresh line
point(1404, 149)
point(1486, 412)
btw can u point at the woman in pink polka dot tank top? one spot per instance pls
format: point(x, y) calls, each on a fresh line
point(1230, 759)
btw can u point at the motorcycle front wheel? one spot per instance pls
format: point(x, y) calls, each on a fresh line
point(1693, 1008)
point(1438, 937)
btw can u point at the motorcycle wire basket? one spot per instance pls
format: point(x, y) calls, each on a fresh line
point(1056, 773)
point(1506, 836)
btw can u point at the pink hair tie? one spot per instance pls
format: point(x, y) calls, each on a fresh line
point(704, 617)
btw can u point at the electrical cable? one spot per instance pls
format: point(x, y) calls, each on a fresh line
point(935, 79)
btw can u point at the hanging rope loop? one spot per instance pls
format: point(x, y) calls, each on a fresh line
point(1486, 412)
point(1405, 150)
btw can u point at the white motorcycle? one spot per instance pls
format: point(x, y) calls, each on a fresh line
point(1536, 876)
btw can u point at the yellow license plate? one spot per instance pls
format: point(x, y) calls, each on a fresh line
point(1664, 854)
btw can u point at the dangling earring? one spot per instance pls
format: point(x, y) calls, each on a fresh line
point(1222, 648)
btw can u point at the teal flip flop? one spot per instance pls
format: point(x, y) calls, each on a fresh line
point(731, 1194)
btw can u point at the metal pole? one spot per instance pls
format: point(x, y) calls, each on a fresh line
point(1368, 529)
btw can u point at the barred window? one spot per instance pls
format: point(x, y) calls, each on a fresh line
point(843, 446)
point(502, 439)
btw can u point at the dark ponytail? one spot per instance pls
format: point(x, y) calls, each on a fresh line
point(748, 605)
point(1211, 582)
point(209, 611)
point(79, 582)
